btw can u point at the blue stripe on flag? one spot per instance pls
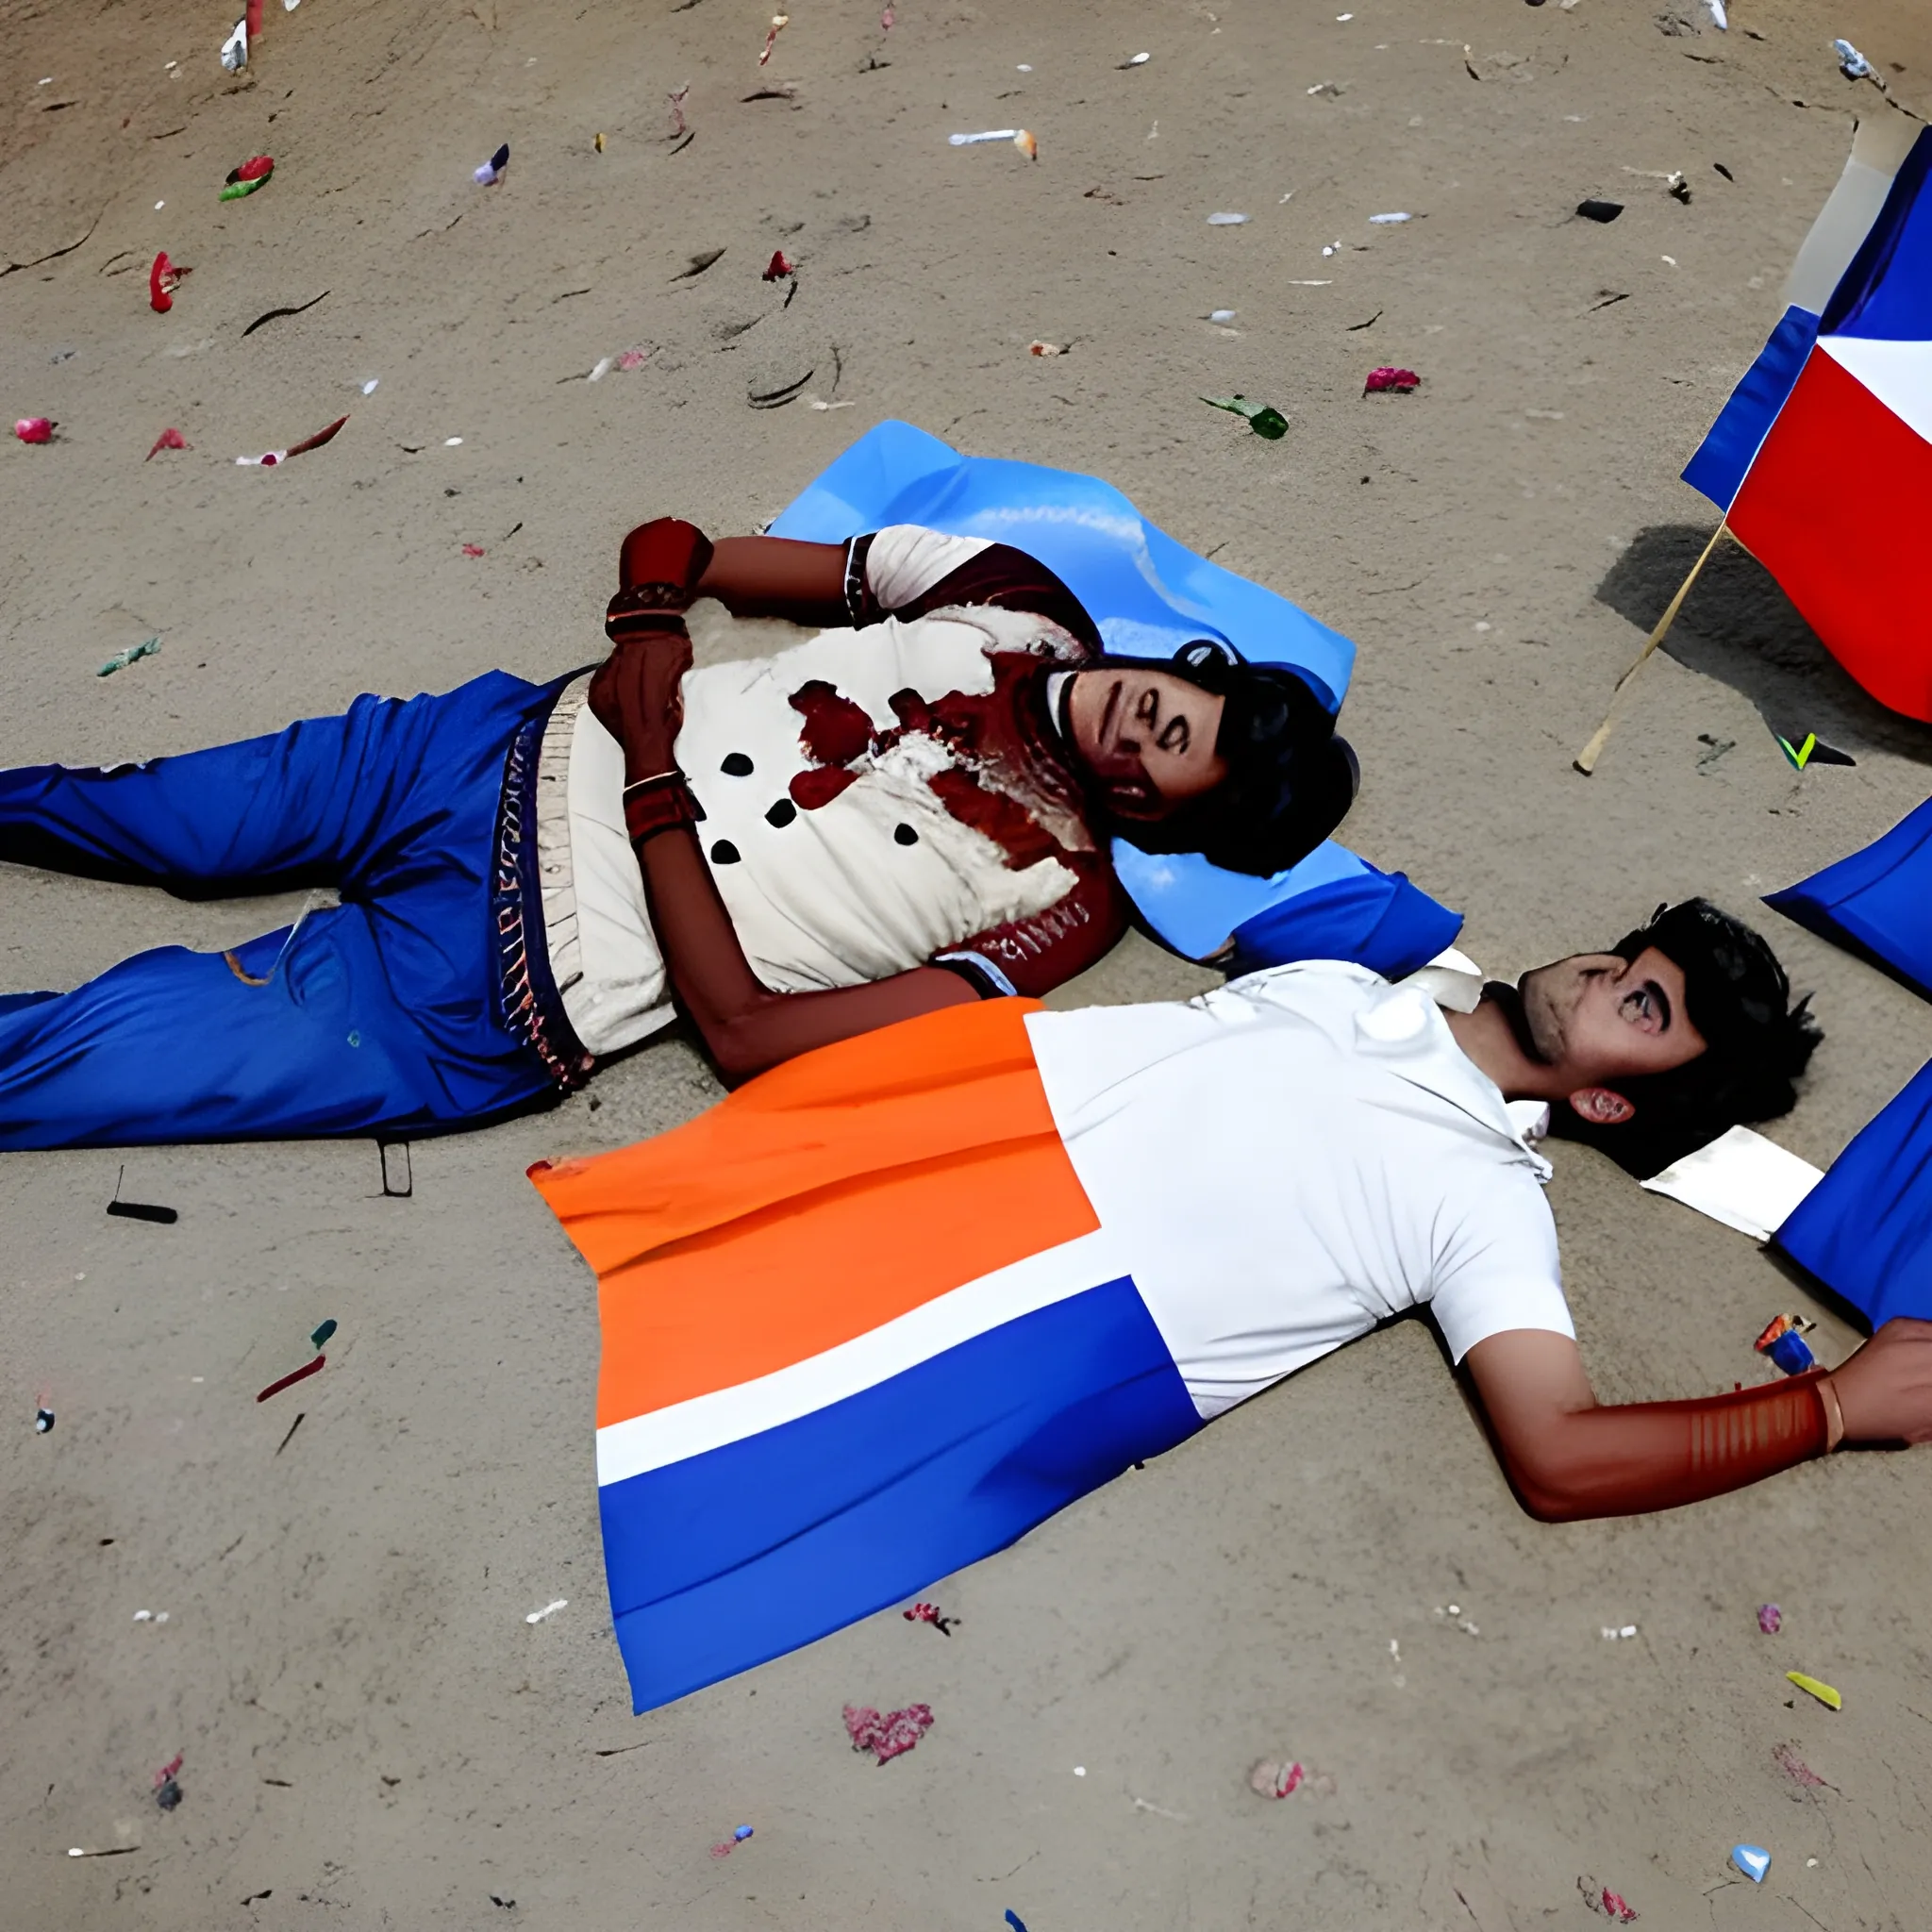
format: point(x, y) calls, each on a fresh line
point(1734, 440)
point(729, 1558)
point(1887, 292)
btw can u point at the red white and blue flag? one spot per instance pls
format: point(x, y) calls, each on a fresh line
point(1822, 459)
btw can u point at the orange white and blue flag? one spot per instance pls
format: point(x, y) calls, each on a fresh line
point(861, 1328)
point(1822, 459)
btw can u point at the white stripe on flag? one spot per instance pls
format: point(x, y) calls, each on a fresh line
point(728, 1415)
point(1898, 374)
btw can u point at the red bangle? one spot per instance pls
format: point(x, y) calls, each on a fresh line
point(658, 804)
point(645, 607)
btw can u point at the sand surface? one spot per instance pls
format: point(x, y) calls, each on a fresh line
point(373, 1734)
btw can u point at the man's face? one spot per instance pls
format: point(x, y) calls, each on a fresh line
point(1146, 737)
point(1596, 1019)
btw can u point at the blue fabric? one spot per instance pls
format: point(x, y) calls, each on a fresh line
point(1148, 596)
point(1878, 902)
point(1376, 919)
point(1731, 445)
point(381, 1013)
point(1887, 291)
point(1865, 1230)
point(739, 1554)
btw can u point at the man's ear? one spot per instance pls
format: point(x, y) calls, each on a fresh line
point(1602, 1106)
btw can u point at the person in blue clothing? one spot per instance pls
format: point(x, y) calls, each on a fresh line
point(910, 809)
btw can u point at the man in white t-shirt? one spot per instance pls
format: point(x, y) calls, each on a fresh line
point(1297, 1157)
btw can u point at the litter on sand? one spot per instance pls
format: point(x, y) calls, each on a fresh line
point(1852, 63)
point(1274, 1780)
point(1222, 316)
point(779, 268)
point(301, 1375)
point(1599, 211)
point(43, 1421)
point(1813, 751)
point(1813, 1687)
point(163, 278)
point(120, 661)
point(1014, 1920)
point(34, 429)
point(235, 48)
point(168, 439)
point(1263, 420)
point(492, 170)
point(1388, 220)
point(1770, 1618)
point(1138, 61)
point(1613, 1632)
point(323, 1334)
point(270, 459)
point(890, 1736)
point(549, 1609)
point(1783, 1340)
point(1047, 348)
point(1226, 220)
point(1600, 1898)
point(167, 1791)
point(730, 1844)
point(929, 1613)
point(251, 174)
point(1392, 381)
point(779, 22)
point(1754, 1861)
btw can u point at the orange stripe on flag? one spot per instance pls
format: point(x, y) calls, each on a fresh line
point(829, 1195)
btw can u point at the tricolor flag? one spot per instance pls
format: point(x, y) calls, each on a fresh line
point(1822, 459)
point(861, 1328)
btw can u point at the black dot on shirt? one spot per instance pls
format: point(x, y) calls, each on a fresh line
point(724, 853)
point(781, 813)
point(736, 765)
point(904, 835)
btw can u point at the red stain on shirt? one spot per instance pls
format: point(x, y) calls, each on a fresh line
point(835, 730)
point(820, 786)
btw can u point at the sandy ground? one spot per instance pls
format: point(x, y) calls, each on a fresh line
point(373, 1734)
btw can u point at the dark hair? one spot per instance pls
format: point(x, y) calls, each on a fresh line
point(1759, 1043)
point(1291, 779)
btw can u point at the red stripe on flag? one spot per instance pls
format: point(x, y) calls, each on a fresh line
point(1835, 509)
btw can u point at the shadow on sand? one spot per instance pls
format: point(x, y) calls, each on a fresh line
point(1738, 626)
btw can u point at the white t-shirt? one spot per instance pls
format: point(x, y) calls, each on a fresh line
point(872, 883)
point(1293, 1157)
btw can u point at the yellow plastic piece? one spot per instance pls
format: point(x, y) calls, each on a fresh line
point(1823, 1692)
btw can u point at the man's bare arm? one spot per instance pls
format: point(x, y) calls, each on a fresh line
point(1570, 1457)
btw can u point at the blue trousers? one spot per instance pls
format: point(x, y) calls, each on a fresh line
point(382, 1014)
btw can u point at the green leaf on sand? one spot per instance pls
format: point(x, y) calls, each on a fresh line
point(1263, 420)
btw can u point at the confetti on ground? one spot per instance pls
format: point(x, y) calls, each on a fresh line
point(1770, 1618)
point(889, 1735)
point(562, 1603)
point(168, 439)
point(34, 429)
point(1391, 381)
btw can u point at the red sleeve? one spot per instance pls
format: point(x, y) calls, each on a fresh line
point(1032, 956)
point(999, 575)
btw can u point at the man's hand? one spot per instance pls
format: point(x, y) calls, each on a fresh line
point(1885, 1389)
point(636, 696)
point(665, 551)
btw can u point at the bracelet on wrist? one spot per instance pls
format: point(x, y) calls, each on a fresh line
point(659, 805)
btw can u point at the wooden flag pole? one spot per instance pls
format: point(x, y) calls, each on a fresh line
point(1586, 760)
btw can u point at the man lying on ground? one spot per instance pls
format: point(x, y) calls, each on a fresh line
point(922, 796)
point(883, 1309)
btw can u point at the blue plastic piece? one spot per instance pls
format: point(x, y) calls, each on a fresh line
point(1754, 1861)
point(1865, 1230)
point(1790, 1353)
point(1148, 596)
point(1877, 902)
